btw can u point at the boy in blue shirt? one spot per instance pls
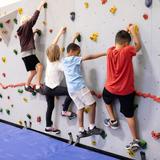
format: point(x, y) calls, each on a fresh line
point(77, 88)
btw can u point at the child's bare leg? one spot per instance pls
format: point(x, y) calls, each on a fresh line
point(39, 68)
point(80, 119)
point(30, 77)
point(111, 112)
point(132, 125)
point(92, 114)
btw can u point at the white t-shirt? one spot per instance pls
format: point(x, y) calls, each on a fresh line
point(54, 74)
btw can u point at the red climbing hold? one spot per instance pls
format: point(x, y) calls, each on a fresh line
point(155, 135)
point(39, 119)
point(145, 16)
point(104, 1)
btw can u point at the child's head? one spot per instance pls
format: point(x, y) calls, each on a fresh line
point(73, 49)
point(123, 38)
point(24, 19)
point(53, 53)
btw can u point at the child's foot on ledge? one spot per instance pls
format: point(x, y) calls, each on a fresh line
point(51, 129)
point(69, 114)
point(29, 89)
point(94, 131)
point(134, 145)
point(40, 90)
point(113, 124)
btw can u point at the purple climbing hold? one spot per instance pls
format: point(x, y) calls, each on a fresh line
point(148, 3)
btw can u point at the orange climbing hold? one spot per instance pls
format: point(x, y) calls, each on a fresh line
point(103, 2)
point(113, 10)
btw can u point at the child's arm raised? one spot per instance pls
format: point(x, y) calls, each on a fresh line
point(75, 37)
point(136, 38)
point(61, 32)
point(93, 56)
point(41, 4)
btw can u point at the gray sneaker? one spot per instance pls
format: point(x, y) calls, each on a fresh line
point(113, 125)
point(134, 145)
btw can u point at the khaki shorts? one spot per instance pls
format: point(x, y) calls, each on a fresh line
point(82, 98)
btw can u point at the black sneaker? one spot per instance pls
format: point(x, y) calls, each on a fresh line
point(82, 134)
point(109, 123)
point(134, 145)
point(29, 89)
point(95, 131)
point(40, 90)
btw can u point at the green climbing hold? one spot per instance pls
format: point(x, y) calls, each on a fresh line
point(8, 111)
point(34, 93)
point(15, 51)
point(1, 110)
point(1, 25)
point(29, 116)
point(79, 38)
point(20, 90)
point(39, 33)
point(15, 21)
point(45, 5)
point(1, 95)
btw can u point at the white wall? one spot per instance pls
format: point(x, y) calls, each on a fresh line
point(7, 2)
point(96, 18)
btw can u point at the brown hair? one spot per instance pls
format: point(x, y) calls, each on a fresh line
point(53, 53)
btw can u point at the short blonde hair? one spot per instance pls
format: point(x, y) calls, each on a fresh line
point(53, 53)
point(24, 19)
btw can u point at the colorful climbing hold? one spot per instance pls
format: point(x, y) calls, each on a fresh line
point(62, 49)
point(4, 60)
point(145, 16)
point(72, 16)
point(8, 111)
point(155, 135)
point(20, 122)
point(8, 21)
point(39, 119)
point(103, 2)
point(20, 91)
point(25, 100)
point(1, 95)
point(45, 5)
point(1, 110)
point(50, 30)
point(20, 11)
point(4, 75)
point(15, 21)
point(29, 116)
point(148, 3)
point(1, 25)
point(79, 38)
point(45, 23)
point(93, 143)
point(94, 36)
point(86, 5)
point(86, 110)
point(8, 97)
point(113, 10)
point(39, 32)
point(15, 51)
point(12, 105)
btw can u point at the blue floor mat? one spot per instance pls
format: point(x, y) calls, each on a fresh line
point(22, 144)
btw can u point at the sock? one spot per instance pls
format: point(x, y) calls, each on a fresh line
point(91, 126)
point(112, 121)
point(26, 86)
point(38, 86)
point(81, 129)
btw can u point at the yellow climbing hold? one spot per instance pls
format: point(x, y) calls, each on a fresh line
point(113, 10)
point(94, 143)
point(94, 36)
point(20, 122)
point(136, 29)
point(4, 59)
point(131, 153)
point(25, 100)
point(86, 5)
point(86, 110)
point(20, 11)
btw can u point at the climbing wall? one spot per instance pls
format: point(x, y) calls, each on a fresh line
point(98, 23)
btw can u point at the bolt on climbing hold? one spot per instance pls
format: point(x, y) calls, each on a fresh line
point(25, 100)
point(8, 21)
point(12, 105)
point(4, 75)
point(39, 119)
point(4, 60)
point(93, 143)
point(8, 97)
point(20, 11)
point(148, 3)
point(145, 16)
point(8, 111)
point(50, 30)
point(34, 93)
point(39, 32)
point(20, 90)
point(113, 10)
point(45, 5)
point(86, 5)
point(72, 16)
point(1, 25)
point(86, 110)
point(103, 1)
point(15, 21)
point(29, 116)
point(20, 122)
point(79, 38)
point(1, 95)
point(15, 51)
point(1, 110)
point(62, 49)
point(44, 22)
point(94, 36)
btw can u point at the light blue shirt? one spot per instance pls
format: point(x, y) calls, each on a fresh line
point(73, 73)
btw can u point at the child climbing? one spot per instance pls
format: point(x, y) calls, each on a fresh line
point(53, 79)
point(26, 37)
point(77, 88)
point(120, 81)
